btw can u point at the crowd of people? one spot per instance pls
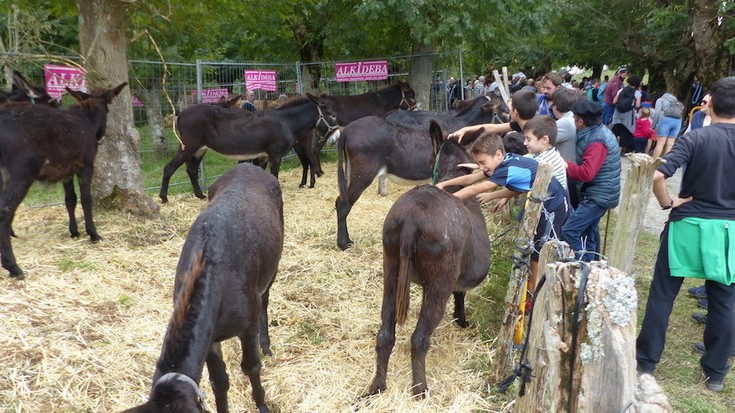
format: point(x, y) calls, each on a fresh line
point(582, 129)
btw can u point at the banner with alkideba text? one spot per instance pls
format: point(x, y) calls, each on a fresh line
point(354, 71)
point(261, 79)
point(59, 77)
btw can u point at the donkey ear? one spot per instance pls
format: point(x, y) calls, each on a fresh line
point(23, 85)
point(437, 136)
point(78, 95)
point(111, 93)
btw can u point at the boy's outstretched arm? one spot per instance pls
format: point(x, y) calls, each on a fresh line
point(463, 180)
point(488, 127)
point(503, 193)
point(472, 190)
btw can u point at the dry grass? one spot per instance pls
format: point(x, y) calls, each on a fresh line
point(83, 332)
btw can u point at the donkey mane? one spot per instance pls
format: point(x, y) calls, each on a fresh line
point(186, 309)
point(292, 102)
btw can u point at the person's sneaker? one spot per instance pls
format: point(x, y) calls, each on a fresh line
point(702, 303)
point(698, 292)
point(699, 317)
point(699, 348)
point(714, 385)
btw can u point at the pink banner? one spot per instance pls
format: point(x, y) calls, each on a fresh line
point(348, 72)
point(261, 79)
point(212, 95)
point(59, 77)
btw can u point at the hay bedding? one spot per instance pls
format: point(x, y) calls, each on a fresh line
point(83, 332)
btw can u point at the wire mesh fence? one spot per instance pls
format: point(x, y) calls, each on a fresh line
point(161, 90)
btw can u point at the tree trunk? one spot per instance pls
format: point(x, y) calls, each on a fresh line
point(103, 45)
point(420, 75)
point(311, 49)
point(596, 72)
point(156, 127)
point(708, 34)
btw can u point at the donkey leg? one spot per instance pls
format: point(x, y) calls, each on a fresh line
point(11, 197)
point(85, 193)
point(459, 314)
point(70, 199)
point(192, 169)
point(251, 363)
point(358, 184)
point(265, 339)
point(304, 166)
point(218, 377)
point(275, 162)
point(168, 171)
point(382, 185)
point(4, 184)
point(387, 334)
point(434, 302)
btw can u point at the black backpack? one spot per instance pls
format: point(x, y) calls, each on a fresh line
point(626, 99)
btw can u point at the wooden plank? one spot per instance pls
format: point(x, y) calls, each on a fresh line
point(632, 210)
point(503, 361)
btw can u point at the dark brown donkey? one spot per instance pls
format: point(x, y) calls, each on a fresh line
point(241, 135)
point(436, 240)
point(225, 271)
point(38, 142)
point(398, 95)
point(374, 147)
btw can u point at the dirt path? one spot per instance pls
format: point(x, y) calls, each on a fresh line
point(655, 218)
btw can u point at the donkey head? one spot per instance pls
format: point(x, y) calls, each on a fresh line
point(24, 91)
point(408, 96)
point(96, 104)
point(447, 155)
point(173, 393)
point(327, 128)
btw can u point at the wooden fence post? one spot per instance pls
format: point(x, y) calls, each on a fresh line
point(503, 361)
point(602, 376)
point(635, 196)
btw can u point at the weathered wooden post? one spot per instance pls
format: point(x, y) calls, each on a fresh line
point(635, 196)
point(503, 361)
point(582, 352)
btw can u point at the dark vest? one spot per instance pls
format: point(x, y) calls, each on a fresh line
point(604, 188)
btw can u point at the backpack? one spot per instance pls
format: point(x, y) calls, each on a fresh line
point(626, 99)
point(673, 109)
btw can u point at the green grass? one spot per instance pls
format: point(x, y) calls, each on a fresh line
point(152, 171)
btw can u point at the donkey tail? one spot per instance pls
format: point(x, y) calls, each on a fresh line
point(405, 270)
point(342, 164)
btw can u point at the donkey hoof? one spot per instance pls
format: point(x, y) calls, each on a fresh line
point(420, 391)
point(16, 273)
point(164, 199)
point(95, 238)
point(74, 234)
point(462, 323)
point(373, 390)
point(201, 196)
point(344, 245)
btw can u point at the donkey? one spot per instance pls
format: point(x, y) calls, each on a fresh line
point(240, 135)
point(347, 109)
point(439, 242)
point(227, 266)
point(24, 91)
point(372, 147)
point(38, 142)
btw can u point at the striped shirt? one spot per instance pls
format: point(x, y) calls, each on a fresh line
point(553, 157)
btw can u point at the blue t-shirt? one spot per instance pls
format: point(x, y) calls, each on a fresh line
point(517, 173)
